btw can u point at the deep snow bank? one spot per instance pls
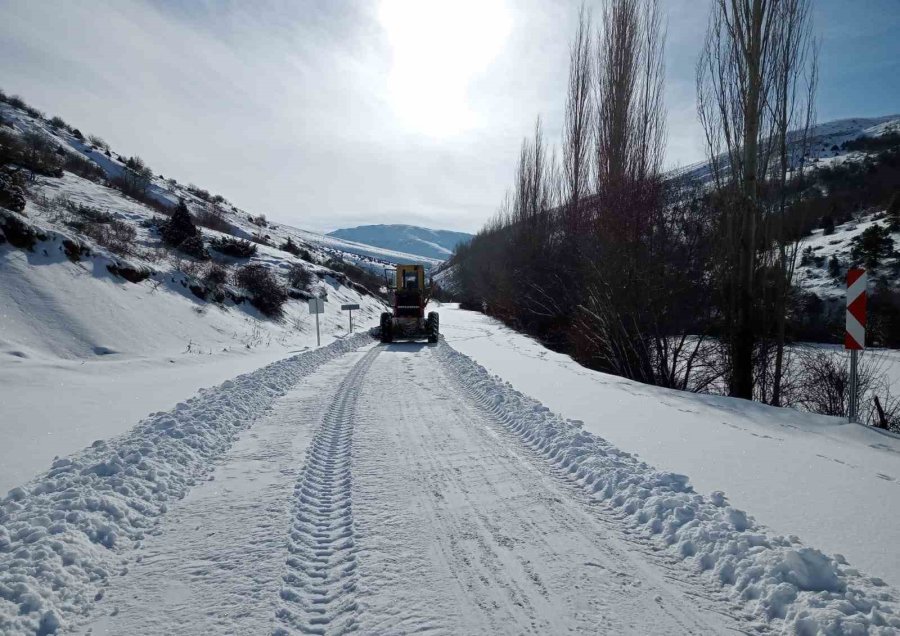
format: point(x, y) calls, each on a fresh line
point(776, 580)
point(64, 534)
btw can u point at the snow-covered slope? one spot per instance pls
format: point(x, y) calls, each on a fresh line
point(812, 272)
point(169, 191)
point(110, 351)
point(436, 244)
point(824, 143)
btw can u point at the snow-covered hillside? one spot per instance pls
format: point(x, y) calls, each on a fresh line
point(434, 244)
point(824, 144)
point(109, 350)
point(813, 273)
point(168, 191)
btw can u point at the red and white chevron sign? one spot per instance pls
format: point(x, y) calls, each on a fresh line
point(855, 336)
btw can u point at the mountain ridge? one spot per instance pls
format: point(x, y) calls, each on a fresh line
point(412, 239)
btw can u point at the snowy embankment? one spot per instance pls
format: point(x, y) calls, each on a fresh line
point(833, 484)
point(63, 535)
point(110, 351)
point(775, 580)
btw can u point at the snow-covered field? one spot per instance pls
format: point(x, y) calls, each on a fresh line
point(833, 484)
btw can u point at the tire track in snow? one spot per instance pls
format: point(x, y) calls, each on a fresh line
point(319, 588)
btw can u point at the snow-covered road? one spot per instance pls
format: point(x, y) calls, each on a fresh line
point(379, 496)
point(398, 489)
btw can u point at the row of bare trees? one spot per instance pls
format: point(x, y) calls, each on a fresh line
point(597, 253)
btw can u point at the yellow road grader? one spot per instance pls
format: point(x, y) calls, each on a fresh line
point(407, 321)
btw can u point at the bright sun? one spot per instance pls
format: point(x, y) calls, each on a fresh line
point(438, 46)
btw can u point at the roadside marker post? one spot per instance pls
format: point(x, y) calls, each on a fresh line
point(855, 333)
point(317, 306)
point(350, 308)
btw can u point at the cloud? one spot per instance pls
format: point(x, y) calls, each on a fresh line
point(329, 114)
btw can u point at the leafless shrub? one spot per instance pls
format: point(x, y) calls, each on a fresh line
point(821, 379)
point(192, 268)
point(98, 142)
point(135, 179)
point(115, 235)
point(213, 217)
point(298, 276)
point(215, 275)
point(266, 294)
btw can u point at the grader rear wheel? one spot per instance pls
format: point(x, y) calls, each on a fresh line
point(387, 327)
point(433, 327)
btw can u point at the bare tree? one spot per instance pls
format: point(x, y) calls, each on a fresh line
point(578, 120)
point(796, 75)
point(630, 123)
point(747, 95)
point(619, 324)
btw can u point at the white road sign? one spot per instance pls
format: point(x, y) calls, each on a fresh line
point(316, 306)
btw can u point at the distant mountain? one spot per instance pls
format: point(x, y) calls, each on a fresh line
point(406, 238)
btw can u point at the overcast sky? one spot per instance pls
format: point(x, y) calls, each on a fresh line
point(330, 113)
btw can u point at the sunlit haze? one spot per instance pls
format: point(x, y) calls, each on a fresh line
point(333, 114)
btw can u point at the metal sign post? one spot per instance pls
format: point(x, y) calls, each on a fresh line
point(855, 334)
point(350, 308)
point(317, 306)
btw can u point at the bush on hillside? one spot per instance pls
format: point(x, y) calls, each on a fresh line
point(117, 236)
point(213, 217)
point(135, 179)
point(873, 245)
point(198, 192)
point(35, 151)
point(265, 292)
point(893, 213)
point(84, 168)
point(18, 232)
point(298, 276)
point(290, 247)
point(834, 266)
point(98, 142)
point(12, 194)
point(180, 232)
point(261, 239)
point(16, 102)
point(215, 275)
point(360, 279)
point(57, 122)
point(231, 246)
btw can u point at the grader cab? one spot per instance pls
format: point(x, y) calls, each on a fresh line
point(407, 321)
